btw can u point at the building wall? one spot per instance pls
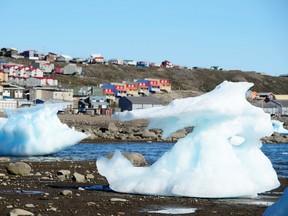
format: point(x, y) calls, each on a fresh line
point(72, 69)
point(11, 104)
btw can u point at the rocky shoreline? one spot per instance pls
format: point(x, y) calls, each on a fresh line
point(106, 129)
point(76, 188)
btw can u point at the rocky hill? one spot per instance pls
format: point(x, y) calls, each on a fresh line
point(186, 82)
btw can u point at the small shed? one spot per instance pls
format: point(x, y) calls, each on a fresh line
point(134, 103)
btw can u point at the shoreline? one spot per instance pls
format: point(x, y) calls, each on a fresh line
point(46, 195)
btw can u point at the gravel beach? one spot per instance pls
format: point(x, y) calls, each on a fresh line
point(45, 192)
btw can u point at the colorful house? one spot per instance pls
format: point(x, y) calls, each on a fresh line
point(108, 91)
point(131, 89)
point(154, 85)
point(165, 85)
point(120, 89)
point(143, 88)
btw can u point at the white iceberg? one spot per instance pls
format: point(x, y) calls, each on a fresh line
point(278, 127)
point(35, 131)
point(220, 158)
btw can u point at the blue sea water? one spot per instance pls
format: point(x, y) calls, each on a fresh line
point(277, 153)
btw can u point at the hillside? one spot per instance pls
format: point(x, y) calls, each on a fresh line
point(196, 81)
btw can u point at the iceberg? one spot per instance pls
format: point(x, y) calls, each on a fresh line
point(278, 127)
point(35, 131)
point(220, 158)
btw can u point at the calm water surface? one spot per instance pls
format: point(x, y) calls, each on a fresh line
point(277, 153)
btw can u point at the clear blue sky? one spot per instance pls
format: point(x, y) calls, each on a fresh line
point(250, 35)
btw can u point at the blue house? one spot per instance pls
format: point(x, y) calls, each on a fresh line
point(142, 64)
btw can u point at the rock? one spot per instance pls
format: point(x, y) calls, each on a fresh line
point(135, 158)
point(112, 127)
point(91, 203)
point(118, 200)
point(63, 174)
point(18, 212)
point(5, 159)
point(66, 193)
point(148, 134)
point(19, 168)
point(78, 177)
point(2, 175)
point(29, 206)
point(89, 176)
point(179, 134)
point(37, 174)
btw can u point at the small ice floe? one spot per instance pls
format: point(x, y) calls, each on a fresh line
point(175, 211)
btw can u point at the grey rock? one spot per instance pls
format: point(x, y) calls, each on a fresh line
point(78, 177)
point(29, 205)
point(148, 134)
point(66, 193)
point(112, 127)
point(63, 174)
point(91, 203)
point(118, 200)
point(5, 159)
point(135, 158)
point(89, 176)
point(19, 168)
point(18, 212)
point(179, 134)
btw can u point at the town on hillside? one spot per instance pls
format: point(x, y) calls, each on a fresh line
point(31, 84)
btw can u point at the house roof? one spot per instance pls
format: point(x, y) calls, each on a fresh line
point(144, 100)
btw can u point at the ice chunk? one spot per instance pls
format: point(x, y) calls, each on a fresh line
point(35, 131)
point(278, 127)
point(220, 158)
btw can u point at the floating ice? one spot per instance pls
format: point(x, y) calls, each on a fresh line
point(278, 127)
point(35, 131)
point(220, 158)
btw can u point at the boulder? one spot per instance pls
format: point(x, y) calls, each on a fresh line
point(112, 127)
point(5, 159)
point(66, 192)
point(135, 158)
point(19, 168)
point(63, 174)
point(18, 212)
point(148, 134)
point(179, 134)
point(78, 177)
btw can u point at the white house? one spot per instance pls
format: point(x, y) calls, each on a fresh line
point(96, 59)
point(45, 66)
point(64, 58)
point(41, 81)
